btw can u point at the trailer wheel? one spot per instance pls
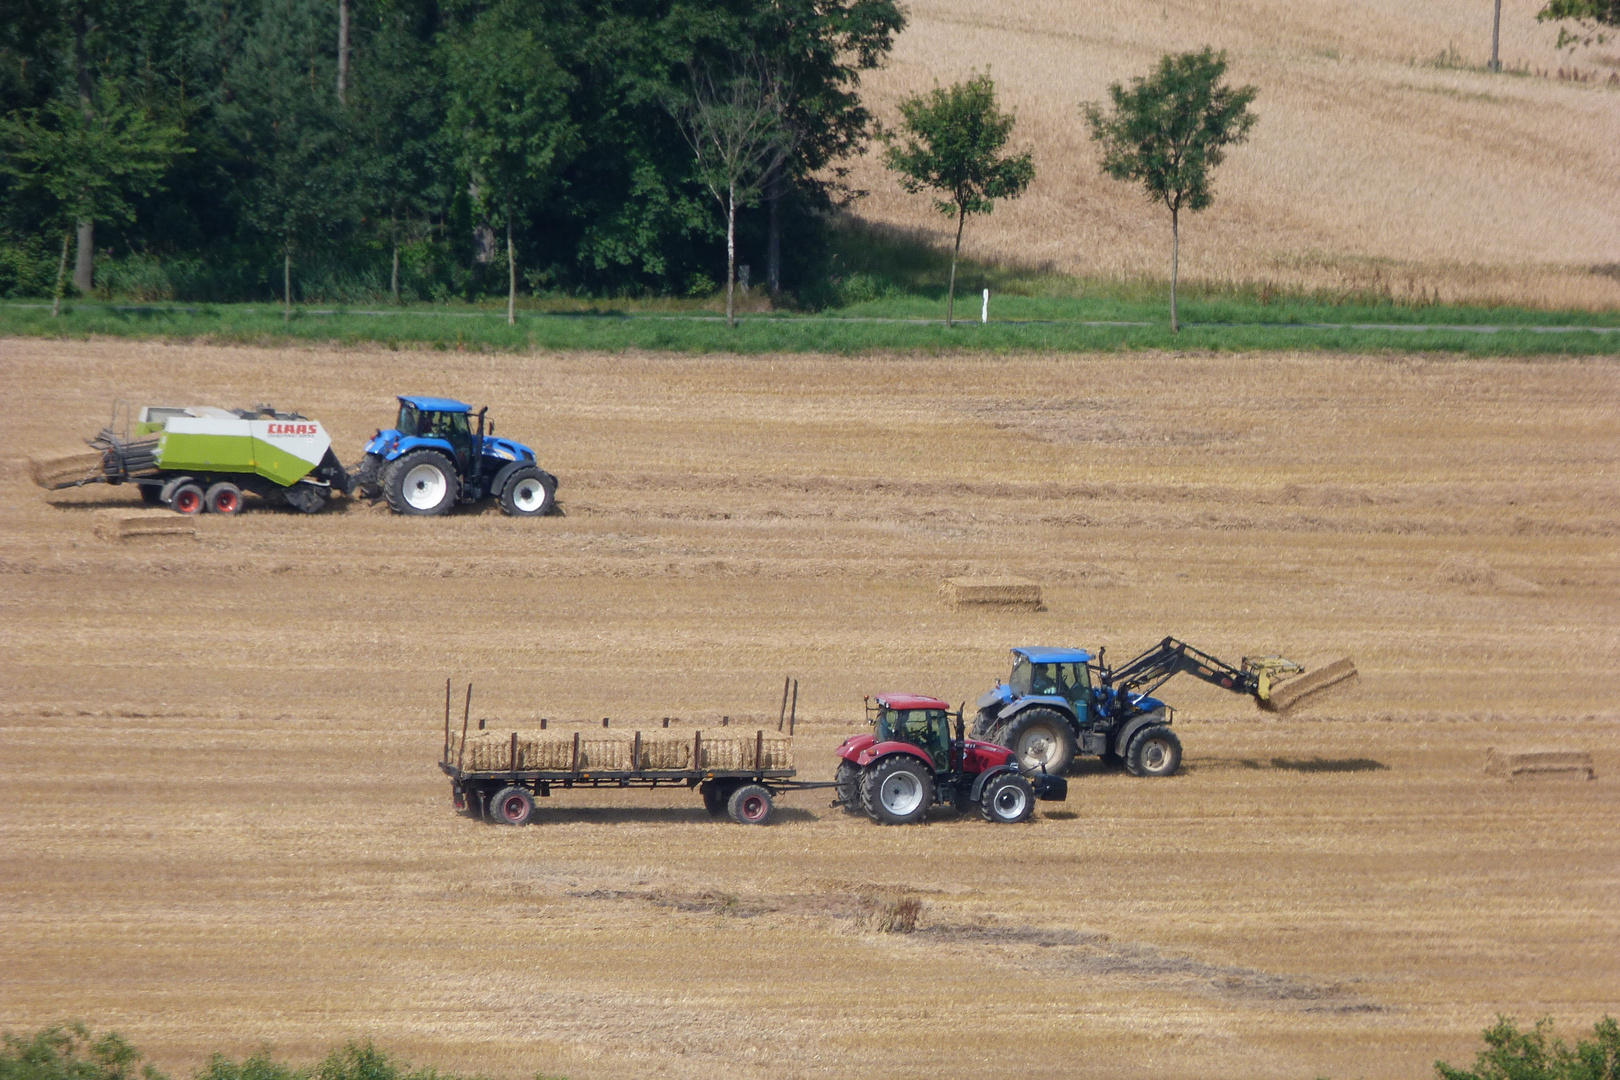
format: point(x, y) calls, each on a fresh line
point(848, 779)
point(511, 806)
point(528, 493)
point(1155, 751)
point(1007, 799)
point(187, 499)
point(421, 483)
point(897, 790)
point(750, 804)
point(223, 498)
point(1042, 740)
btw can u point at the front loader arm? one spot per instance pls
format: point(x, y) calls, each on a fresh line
point(1170, 657)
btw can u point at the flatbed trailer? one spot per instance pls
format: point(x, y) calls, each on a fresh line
point(747, 794)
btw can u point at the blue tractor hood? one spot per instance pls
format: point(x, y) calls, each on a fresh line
point(506, 449)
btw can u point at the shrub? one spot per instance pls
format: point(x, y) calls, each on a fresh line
point(1511, 1054)
point(71, 1052)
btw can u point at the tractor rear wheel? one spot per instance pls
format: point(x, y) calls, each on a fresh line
point(1007, 799)
point(1041, 739)
point(750, 804)
point(848, 779)
point(528, 493)
point(985, 726)
point(511, 806)
point(421, 483)
point(1154, 751)
point(897, 790)
point(223, 497)
point(187, 499)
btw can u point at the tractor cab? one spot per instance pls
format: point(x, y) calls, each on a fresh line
point(923, 722)
point(438, 418)
point(1053, 673)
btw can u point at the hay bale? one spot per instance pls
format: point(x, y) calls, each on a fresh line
point(1569, 764)
point(1290, 693)
point(64, 469)
point(553, 751)
point(999, 591)
point(122, 525)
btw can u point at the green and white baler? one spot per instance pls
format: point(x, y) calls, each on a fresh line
point(198, 457)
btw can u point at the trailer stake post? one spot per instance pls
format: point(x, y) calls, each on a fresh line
point(446, 758)
point(793, 711)
point(782, 715)
point(574, 768)
point(514, 753)
point(462, 753)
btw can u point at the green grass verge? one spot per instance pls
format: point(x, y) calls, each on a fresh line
point(1019, 324)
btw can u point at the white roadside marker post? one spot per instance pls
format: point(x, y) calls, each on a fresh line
point(984, 313)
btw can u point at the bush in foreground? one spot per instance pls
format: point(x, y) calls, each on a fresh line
point(1511, 1054)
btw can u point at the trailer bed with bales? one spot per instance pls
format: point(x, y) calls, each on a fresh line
point(498, 776)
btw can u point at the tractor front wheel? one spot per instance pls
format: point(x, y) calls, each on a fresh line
point(1007, 799)
point(421, 483)
point(750, 804)
point(1041, 739)
point(511, 806)
point(1154, 751)
point(528, 493)
point(897, 790)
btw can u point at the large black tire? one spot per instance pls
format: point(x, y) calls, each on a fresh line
point(750, 804)
point(1042, 739)
point(1007, 799)
point(511, 806)
point(528, 492)
point(848, 779)
point(985, 726)
point(897, 790)
point(368, 476)
point(1154, 751)
point(223, 497)
point(421, 483)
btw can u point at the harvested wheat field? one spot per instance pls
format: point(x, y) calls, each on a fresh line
point(1384, 158)
point(223, 827)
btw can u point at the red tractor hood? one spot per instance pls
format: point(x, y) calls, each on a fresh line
point(977, 755)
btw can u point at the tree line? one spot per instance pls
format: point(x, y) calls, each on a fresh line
point(422, 148)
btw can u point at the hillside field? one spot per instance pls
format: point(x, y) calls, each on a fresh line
point(221, 825)
point(1385, 158)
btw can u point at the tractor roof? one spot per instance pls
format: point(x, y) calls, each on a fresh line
point(1039, 654)
point(434, 404)
point(910, 701)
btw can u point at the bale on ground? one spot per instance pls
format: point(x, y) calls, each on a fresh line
point(1575, 764)
point(119, 525)
point(63, 469)
point(1000, 591)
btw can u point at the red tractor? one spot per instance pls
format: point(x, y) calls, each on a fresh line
point(910, 762)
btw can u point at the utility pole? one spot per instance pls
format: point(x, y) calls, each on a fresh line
point(343, 49)
point(1496, 39)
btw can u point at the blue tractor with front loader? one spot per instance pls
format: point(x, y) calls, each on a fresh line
point(435, 457)
point(1059, 703)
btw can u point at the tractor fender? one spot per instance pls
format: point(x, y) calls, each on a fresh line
point(994, 699)
point(854, 746)
point(885, 749)
point(1057, 704)
point(985, 777)
point(497, 484)
point(1122, 739)
point(418, 442)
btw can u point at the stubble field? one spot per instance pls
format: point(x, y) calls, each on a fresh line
point(222, 825)
point(1385, 157)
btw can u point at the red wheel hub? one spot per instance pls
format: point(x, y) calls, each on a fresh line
point(226, 502)
point(512, 809)
point(753, 808)
point(188, 502)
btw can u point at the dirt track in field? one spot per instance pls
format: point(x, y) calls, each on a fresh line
point(222, 824)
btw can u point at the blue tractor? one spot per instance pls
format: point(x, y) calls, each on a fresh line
point(435, 457)
point(1061, 702)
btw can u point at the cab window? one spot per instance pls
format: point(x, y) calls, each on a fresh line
point(1073, 679)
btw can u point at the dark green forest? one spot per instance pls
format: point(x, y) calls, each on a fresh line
point(362, 150)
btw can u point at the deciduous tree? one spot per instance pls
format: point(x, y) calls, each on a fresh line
point(954, 139)
point(1168, 131)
